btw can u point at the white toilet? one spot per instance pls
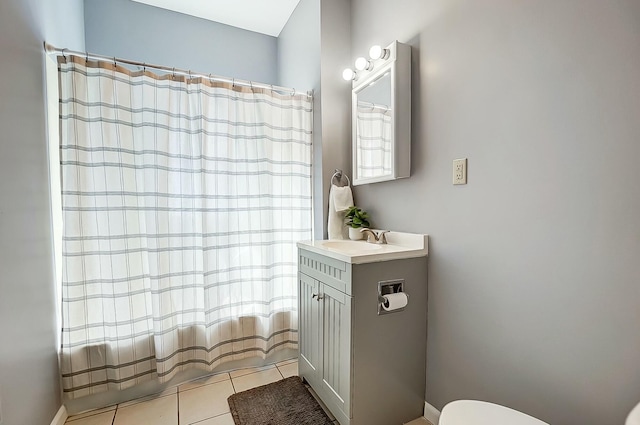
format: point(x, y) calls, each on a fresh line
point(473, 412)
point(634, 416)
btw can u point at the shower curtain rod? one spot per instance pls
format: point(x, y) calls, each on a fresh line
point(176, 71)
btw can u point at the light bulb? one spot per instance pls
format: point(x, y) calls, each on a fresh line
point(348, 74)
point(362, 64)
point(377, 52)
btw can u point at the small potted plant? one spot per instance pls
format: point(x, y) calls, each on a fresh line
point(356, 219)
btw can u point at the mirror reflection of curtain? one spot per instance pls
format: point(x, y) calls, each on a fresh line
point(374, 135)
point(182, 202)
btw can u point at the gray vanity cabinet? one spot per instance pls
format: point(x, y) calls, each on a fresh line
point(325, 331)
point(368, 369)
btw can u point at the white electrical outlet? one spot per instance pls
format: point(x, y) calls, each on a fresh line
point(460, 171)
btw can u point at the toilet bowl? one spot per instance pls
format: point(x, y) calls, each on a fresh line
point(634, 416)
point(473, 412)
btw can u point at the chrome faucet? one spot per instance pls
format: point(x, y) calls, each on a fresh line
point(372, 237)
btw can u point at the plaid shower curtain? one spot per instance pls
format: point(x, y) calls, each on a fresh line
point(182, 202)
point(373, 137)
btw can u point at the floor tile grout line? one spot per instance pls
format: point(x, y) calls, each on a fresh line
point(286, 362)
point(212, 417)
point(233, 386)
point(202, 378)
point(145, 399)
point(230, 377)
point(242, 376)
point(257, 371)
point(89, 413)
point(178, 404)
point(205, 385)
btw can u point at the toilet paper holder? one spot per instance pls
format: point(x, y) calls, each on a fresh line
point(387, 287)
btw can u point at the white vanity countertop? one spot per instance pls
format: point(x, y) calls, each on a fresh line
point(399, 245)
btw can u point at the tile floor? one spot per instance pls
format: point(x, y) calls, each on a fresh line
point(200, 402)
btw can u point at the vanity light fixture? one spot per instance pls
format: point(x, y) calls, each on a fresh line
point(349, 75)
point(377, 52)
point(363, 64)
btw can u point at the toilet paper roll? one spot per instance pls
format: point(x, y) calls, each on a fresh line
point(395, 301)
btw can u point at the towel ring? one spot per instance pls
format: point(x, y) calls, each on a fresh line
point(339, 175)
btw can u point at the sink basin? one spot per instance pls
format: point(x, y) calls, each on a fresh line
point(400, 245)
point(351, 247)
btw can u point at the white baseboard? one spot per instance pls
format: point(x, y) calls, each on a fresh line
point(61, 417)
point(431, 413)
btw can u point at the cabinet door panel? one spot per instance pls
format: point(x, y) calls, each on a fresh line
point(309, 328)
point(336, 343)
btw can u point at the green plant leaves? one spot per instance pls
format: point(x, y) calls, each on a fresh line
point(356, 217)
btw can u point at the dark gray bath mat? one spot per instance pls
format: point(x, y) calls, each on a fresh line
point(286, 402)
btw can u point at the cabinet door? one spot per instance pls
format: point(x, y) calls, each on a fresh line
point(309, 329)
point(336, 345)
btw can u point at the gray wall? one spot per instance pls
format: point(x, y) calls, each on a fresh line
point(533, 272)
point(314, 43)
point(299, 67)
point(299, 48)
point(335, 93)
point(136, 31)
point(29, 382)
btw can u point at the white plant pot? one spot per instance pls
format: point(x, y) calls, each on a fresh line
point(355, 234)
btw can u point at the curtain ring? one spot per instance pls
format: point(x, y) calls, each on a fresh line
point(63, 55)
point(293, 93)
point(173, 75)
point(210, 79)
point(190, 76)
point(144, 67)
point(114, 62)
point(233, 83)
point(86, 56)
point(271, 86)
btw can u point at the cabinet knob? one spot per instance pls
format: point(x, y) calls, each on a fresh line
point(318, 296)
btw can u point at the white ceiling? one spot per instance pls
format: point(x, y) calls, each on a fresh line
point(264, 16)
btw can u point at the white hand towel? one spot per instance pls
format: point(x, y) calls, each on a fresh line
point(342, 197)
point(335, 221)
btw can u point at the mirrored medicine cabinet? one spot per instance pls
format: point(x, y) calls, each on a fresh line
point(381, 115)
